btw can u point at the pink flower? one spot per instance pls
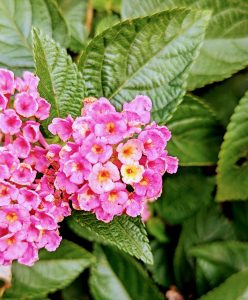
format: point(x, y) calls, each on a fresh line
point(102, 215)
point(25, 105)
point(159, 164)
point(145, 214)
point(10, 122)
point(7, 83)
point(37, 159)
point(28, 198)
point(112, 126)
point(82, 127)
point(64, 184)
point(132, 173)
point(140, 106)
point(8, 192)
point(162, 129)
point(134, 205)
point(97, 108)
point(62, 127)
point(49, 239)
point(3, 101)
point(77, 169)
point(30, 256)
point(29, 83)
point(150, 185)
point(153, 143)
point(172, 164)
point(102, 177)
point(113, 202)
point(23, 175)
point(4, 172)
point(31, 131)
point(95, 150)
point(43, 110)
point(130, 152)
point(21, 147)
point(86, 199)
point(13, 218)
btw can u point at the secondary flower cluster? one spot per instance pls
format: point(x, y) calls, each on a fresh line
point(112, 162)
point(30, 209)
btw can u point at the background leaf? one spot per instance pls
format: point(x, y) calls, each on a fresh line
point(225, 47)
point(232, 177)
point(131, 58)
point(16, 21)
point(60, 81)
point(118, 275)
point(196, 133)
point(53, 271)
point(126, 233)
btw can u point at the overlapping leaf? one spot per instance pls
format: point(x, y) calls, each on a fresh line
point(118, 276)
point(150, 55)
point(225, 48)
point(53, 271)
point(196, 133)
point(16, 21)
point(126, 233)
point(232, 169)
point(60, 81)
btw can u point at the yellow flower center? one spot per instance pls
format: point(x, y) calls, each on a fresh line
point(103, 175)
point(11, 217)
point(112, 196)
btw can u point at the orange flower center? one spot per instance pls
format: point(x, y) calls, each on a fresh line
point(11, 217)
point(127, 151)
point(97, 149)
point(110, 127)
point(112, 196)
point(103, 175)
point(3, 190)
point(11, 241)
point(144, 181)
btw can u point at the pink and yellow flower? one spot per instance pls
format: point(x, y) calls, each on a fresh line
point(132, 173)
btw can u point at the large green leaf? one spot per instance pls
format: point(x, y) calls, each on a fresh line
point(225, 48)
point(126, 233)
point(239, 210)
point(16, 20)
point(118, 276)
point(184, 194)
point(150, 55)
point(74, 12)
point(232, 177)
point(60, 81)
point(53, 271)
point(196, 133)
point(234, 288)
point(219, 260)
point(206, 226)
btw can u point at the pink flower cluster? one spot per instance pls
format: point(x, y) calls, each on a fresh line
point(30, 208)
point(112, 162)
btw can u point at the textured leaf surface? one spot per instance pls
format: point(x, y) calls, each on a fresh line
point(150, 55)
point(184, 194)
point(235, 287)
point(126, 233)
point(196, 133)
point(16, 20)
point(225, 48)
point(60, 81)
point(207, 225)
point(53, 271)
point(220, 260)
point(119, 276)
point(232, 168)
point(74, 12)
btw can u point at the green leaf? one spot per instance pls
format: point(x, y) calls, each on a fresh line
point(16, 21)
point(184, 194)
point(74, 12)
point(106, 5)
point(224, 96)
point(60, 81)
point(239, 210)
point(126, 233)
point(106, 22)
point(232, 170)
point(53, 271)
point(206, 226)
point(220, 260)
point(225, 47)
point(156, 228)
point(235, 287)
point(196, 133)
point(119, 276)
point(150, 55)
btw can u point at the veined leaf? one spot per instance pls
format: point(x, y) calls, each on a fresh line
point(116, 275)
point(60, 81)
point(235, 287)
point(225, 47)
point(196, 133)
point(126, 233)
point(74, 12)
point(232, 171)
point(184, 194)
point(207, 225)
point(150, 55)
point(16, 21)
point(53, 271)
